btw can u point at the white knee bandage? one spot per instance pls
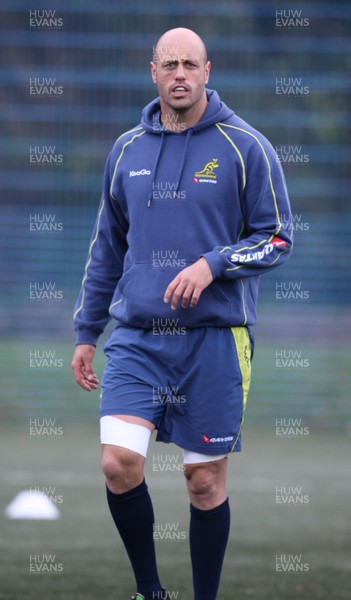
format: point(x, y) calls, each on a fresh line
point(192, 458)
point(116, 432)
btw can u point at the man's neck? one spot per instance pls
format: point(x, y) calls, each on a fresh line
point(182, 120)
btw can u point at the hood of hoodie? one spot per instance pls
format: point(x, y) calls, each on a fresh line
point(216, 111)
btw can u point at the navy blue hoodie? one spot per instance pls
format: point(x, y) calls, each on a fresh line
point(215, 190)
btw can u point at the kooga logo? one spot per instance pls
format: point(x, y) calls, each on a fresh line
point(142, 172)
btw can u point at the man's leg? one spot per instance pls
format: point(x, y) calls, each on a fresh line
point(128, 497)
point(209, 522)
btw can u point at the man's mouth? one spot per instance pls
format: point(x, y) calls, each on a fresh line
point(179, 90)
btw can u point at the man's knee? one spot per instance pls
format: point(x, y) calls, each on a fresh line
point(122, 466)
point(205, 479)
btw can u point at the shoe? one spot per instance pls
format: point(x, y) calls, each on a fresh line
point(164, 596)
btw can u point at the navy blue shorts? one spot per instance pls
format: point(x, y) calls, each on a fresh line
point(191, 383)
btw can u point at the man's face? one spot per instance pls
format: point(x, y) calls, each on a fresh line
point(181, 75)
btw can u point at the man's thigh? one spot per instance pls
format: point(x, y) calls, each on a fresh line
point(212, 386)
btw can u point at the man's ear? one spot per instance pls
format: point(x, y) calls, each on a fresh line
point(207, 71)
point(153, 72)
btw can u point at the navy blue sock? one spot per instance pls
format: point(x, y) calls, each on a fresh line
point(209, 531)
point(133, 515)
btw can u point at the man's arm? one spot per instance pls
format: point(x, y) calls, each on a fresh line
point(267, 235)
point(104, 267)
point(266, 240)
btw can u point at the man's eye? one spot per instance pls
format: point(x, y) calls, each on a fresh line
point(170, 65)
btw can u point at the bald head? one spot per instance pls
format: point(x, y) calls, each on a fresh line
point(180, 70)
point(179, 41)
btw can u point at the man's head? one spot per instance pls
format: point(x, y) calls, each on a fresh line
point(180, 70)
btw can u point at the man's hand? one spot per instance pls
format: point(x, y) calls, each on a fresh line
point(82, 362)
point(189, 284)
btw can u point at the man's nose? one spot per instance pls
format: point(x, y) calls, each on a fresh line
point(180, 72)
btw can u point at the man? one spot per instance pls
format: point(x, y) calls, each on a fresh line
point(189, 219)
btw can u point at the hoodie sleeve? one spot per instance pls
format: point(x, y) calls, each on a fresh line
point(103, 268)
point(266, 238)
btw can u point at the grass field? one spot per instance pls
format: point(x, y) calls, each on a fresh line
point(89, 561)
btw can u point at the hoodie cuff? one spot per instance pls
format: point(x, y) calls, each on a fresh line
point(215, 262)
point(87, 336)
